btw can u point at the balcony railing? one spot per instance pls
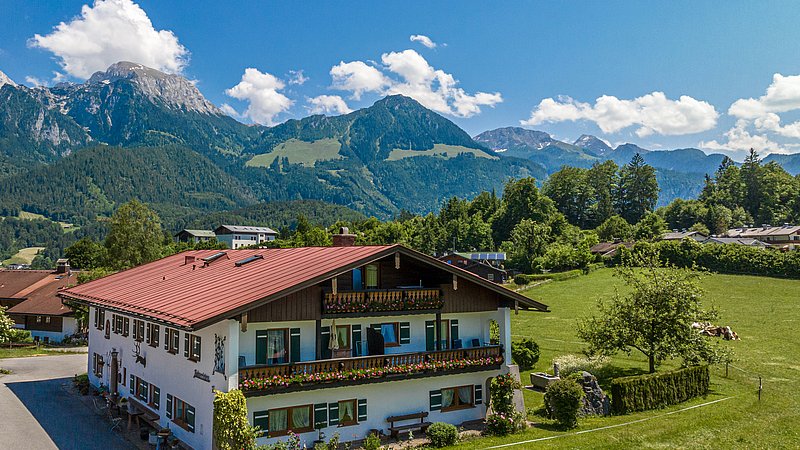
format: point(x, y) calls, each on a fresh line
point(257, 380)
point(355, 302)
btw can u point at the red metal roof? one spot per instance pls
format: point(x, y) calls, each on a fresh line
point(14, 283)
point(189, 294)
point(42, 297)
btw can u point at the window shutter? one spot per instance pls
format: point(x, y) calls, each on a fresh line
point(186, 345)
point(405, 333)
point(325, 338)
point(127, 326)
point(133, 384)
point(430, 335)
point(376, 327)
point(96, 317)
point(169, 406)
point(320, 415)
point(355, 342)
point(362, 410)
point(147, 333)
point(333, 414)
point(176, 339)
point(294, 345)
point(478, 394)
point(166, 338)
point(261, 347)
point(198, 344)
point(453, 332)
point(436, 400)
point(156, 396)
point(261, 420)
point(190, 418)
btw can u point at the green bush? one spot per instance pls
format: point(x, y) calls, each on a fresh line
point(525, 353)
point(521, 279)
point(500, 424)
point(563, 401)
point(569, 364)
point(641, 393)
point(17, 336)
point(372, 442)
point(502, 393)
point(442, 434)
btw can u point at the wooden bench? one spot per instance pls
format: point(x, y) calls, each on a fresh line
point(147, 415)
point(422, 425)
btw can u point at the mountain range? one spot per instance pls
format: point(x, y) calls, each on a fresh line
point(73, 152)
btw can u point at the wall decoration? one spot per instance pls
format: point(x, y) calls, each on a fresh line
point(219, 353)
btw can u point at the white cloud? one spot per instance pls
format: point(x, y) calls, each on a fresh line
point(328, 104)
point(653, 113)
point(230, 110)
point(739, 138)
point(34, 81)
point(297, 77)
point(408, 73)
point(110, 31)
point(358, 78)
point(422, 39)
point(261, 91)
point(782, 95)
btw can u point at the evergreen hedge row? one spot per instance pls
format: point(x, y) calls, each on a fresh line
point(645, 392)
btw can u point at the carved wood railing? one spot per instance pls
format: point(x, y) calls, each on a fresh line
point(491, 354)
point(350, 302)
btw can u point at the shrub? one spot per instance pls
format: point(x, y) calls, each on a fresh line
point(442, 434)
point(641, 393)
point(569, 364)
point(521, 279)
point(525, 353)
point(563, 401)
point(81, 383)
point(231, 429)
point(372, 442)
point(502, 394)
point(500, 424)
point(17, 336)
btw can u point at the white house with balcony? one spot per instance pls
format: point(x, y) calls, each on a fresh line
point(344, 339)
point(239, 236)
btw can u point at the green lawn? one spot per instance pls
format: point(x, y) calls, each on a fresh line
point(765, 312)
point(24, 256)
point(19, 352)
point(299, 152)
point(441, 150)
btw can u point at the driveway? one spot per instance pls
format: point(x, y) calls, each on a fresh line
point(39, 411)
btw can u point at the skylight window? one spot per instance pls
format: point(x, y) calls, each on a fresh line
point(248, 260)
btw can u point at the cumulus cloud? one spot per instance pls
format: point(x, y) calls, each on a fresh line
point(328, 104)
point(653, 113)
point(110, 31)
point(34, 81)
point(739, 138)
point(261, 91)
point(782, 95)
point(358, 77)
point(230, 110)
point(297, 77)
point(422, 39)
point(410, 74)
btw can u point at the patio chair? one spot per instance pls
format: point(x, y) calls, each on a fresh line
point(100, 404)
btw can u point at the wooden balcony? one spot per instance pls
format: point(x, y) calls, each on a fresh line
point(355, 303)
point(307, 375)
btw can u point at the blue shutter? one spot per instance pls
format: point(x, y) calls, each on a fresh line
point(436, 400)
point(132, 387)
point(261, 347)
point(430, 335)
point(405, 333)
point(362, 410)
point(294, 345)
point(320, 415)
point(478, 394)
point(169, 406)
point(333, 414)
point(190, 418)
point(261, 420)
point(355, 341)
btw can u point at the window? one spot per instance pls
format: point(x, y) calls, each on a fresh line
point(126, 326)
point(171, 340)
point(38, 319)
point(390, 332)
point(490, 276)
point(444, 334)
point(142, 389)
point(138, 330)
point(182, 413)
point(99, 318)
point(116, 320)
point(371, 276)
point(152, 334)
point(276, 346)
point(47, 319)
point(97, 365)
point(146, 392)
point(192, 347)
point(347, 413)
point(457, 398)
point(343, 336)
point(296, 419)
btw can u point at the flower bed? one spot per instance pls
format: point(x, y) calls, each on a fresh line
point(277, 381)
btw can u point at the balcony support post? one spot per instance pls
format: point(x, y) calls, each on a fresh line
point(319, 340)
point(438, 331)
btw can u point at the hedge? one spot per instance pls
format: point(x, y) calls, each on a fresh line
point(641, 393)
point(523, 279)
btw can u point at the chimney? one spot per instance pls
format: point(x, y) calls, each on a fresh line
point(188, 259)
point(62, 265)
point(344, 238)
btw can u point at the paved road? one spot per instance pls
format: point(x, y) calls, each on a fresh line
point(38, 412)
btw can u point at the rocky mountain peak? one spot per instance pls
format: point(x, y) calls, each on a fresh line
point(592, 144)
point(514, 137)
point(5, 80)
point(173, 90)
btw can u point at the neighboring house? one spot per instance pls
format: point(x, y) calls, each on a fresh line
point(786, 237)
point(676, 235)
point(236, 236)
point(195, 236)
point(748, 242)
point(35, 305)
point(407, 334)
point(609, 249)
point(481, 267)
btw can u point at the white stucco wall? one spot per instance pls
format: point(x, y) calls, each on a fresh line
point(383, 400)
point(69, 326)
point(173, 374)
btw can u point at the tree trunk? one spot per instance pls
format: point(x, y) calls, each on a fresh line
point(652, 363)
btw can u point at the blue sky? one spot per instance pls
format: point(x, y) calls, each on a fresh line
point(668, 75)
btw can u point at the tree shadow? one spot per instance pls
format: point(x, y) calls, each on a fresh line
point(65, 418)
point(606, 374)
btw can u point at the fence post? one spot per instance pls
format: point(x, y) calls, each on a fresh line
point(726, 370)
point(759, 388)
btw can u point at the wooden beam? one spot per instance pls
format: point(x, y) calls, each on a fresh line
point(397, 260)
point(455, 282)
point(244, 322)
point(334, 285)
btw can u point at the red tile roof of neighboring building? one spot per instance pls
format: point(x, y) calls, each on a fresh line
point(191, 294)
point(12, 282)
point(42, 298)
